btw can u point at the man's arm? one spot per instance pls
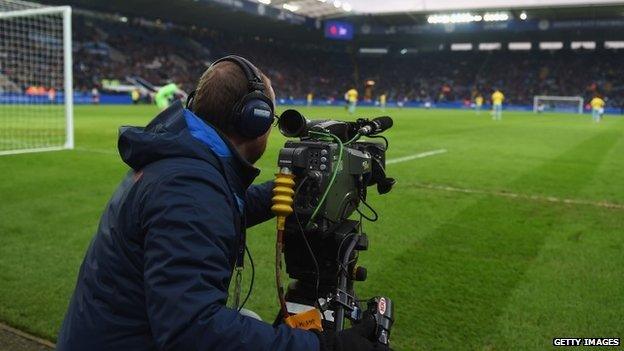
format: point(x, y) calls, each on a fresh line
point(188, 243)
point(258, 203)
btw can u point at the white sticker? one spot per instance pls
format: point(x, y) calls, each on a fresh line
point(381, 307)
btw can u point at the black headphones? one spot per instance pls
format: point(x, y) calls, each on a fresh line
point(253, 114)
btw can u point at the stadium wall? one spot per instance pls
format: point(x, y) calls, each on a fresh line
point(123, 99)
point(456, 105)
point(79, 99)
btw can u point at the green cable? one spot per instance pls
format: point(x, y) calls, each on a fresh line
point(333, 178)
point(356, 137)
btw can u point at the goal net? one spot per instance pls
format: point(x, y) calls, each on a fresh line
point(545, 103)
point(36, 94)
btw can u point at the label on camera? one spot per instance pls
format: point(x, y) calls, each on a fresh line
point(306, 320)
point(382, 305)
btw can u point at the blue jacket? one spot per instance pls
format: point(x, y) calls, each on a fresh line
point(156, 274)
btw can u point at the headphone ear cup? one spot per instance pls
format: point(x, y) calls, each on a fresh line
point(253, 115)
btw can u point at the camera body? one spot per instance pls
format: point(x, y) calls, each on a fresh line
point(316, 161)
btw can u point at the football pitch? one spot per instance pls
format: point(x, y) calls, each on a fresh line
point(499, 235)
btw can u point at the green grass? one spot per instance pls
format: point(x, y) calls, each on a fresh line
point(467, 271)
point(31, 126)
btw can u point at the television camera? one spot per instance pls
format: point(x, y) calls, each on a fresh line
point(322, 183)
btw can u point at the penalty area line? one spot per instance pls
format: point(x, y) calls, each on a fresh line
point(416, 156)
point(512, 195)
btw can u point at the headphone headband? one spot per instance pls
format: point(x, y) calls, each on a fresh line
point(254, 81)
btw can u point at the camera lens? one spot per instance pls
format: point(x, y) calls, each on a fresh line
point(292, 123)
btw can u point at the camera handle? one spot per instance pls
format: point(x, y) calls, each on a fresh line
point(283, 192)
point(342, 298)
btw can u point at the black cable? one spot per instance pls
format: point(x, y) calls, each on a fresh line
point(317, 270)
point(253, 276)
point(380, 137)
point(340, 267)
point(376, 216)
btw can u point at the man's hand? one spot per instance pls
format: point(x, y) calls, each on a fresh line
point(358, 338)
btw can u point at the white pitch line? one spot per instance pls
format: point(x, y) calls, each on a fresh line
point(391, 161)
point(415, 156)
point(388, 162)
point(541, 198)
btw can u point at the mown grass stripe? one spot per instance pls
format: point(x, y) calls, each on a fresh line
point(509, 194)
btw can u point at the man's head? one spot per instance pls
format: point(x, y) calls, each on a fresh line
point(219, 89)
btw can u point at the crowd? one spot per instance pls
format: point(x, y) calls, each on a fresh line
point(113, 50)
point(521, 75)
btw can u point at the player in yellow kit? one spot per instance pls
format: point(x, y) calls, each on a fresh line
point(497, 105)
point(352, 98)
point(309, 99)
point(382, 101)
point(597, 105)
point(478, 103)
point(135, 94)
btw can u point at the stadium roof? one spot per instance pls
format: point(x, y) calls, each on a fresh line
point(313, 8)
point(340, 8)
point(385, 6)
point(380, 29)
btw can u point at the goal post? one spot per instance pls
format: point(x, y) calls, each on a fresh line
point(36, 83)
point(548, 103)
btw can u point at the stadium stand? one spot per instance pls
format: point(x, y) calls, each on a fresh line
point(521, 74)
point(157, 52)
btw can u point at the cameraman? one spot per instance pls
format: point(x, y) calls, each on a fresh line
point(156, 274)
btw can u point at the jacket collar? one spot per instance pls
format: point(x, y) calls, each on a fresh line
point(236, 165)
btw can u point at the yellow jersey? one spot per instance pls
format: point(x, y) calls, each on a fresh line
point(497, 98)
point(135, 95)
point(382, 99)
point(352, 95)
point(310, 96)
point(597, 103)
point(479, 100)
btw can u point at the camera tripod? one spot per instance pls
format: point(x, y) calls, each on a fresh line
point(329, 283)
